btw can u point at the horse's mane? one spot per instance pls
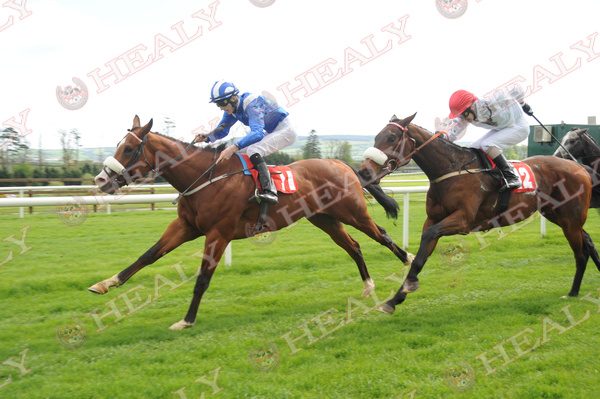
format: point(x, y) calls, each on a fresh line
point(219, 148)
point(447, 142)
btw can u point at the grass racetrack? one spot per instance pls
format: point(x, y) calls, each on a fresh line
point(286, 320)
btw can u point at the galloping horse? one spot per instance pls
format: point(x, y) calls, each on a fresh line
point(463, 198)
point(579, 144)
point(328, 194)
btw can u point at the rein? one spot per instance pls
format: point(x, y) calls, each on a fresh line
point(120, 170)
point(404, 130)
point(401, 142)
point(187, 191)
point(429, 140)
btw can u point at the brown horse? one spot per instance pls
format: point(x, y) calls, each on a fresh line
point(329, 193)
point(463, 198)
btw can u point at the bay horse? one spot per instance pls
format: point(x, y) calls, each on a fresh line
point(579, 144)
point(463, 198)
point(329, 194)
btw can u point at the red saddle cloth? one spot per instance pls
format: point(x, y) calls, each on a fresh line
point(527, 177)
point(528, 182)
point(283, 177)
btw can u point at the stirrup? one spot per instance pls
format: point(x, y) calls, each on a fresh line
point(507, 186)
point(260, 197)
point(269, 198)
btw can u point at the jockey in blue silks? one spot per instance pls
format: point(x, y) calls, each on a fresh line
point(270, 130)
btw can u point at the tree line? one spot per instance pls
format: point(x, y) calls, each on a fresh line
point(19, 161)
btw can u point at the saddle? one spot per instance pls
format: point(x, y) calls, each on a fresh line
point(528, 182)
point(285, 182)
point(282, 176)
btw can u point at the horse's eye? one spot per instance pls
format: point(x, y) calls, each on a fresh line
point(128, 150)
point(391, 138)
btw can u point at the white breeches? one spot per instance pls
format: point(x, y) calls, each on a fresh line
point(504, 138)
point(283, 136)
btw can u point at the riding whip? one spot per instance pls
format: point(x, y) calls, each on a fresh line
point(551, 135)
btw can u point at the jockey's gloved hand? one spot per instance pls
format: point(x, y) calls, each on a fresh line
point(527, 109)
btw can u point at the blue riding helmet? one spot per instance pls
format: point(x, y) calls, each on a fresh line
point(222, 90)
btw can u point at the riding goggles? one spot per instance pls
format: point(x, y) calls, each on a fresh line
point(222, 103)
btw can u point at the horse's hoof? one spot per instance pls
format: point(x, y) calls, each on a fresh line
point(99, 288)
point(385, 308)
point(568, 296)
point(409, 287)
point(369, 288)
point(180, 325)
point(409, 259)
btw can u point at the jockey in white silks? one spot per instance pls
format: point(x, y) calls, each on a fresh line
point(503, 115)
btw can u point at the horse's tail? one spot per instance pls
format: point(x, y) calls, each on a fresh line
point(591, 249)
point(388, 203)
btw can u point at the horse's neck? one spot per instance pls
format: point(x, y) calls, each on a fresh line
point(178, 164)
point(591, 151)
point(439, 157)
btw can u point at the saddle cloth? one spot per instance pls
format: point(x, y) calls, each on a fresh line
point(283, 177)
point(528, 182)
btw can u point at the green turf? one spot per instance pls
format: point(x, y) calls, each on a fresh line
point(505, 297)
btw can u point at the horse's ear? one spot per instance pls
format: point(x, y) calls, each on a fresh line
point(136, 122)
point(406, 121)
point(146, 129)
point(394, 118)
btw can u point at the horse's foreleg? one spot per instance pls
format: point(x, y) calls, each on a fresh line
point(178, 232)
point(410, 285)
point(213, 250)
point(429, 239)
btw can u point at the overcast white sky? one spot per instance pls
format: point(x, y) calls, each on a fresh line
point(402, 56)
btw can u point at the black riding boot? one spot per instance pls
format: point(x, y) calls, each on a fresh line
point(511, 179)
point(269, 192)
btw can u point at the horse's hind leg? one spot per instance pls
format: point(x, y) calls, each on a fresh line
point(340, 236)
point(178, 232)
point(581, 251)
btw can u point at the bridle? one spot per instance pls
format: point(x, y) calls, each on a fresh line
point(111, 163)
point(394, 161)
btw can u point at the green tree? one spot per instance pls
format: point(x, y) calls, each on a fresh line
point(5, 174)
point(67, 148)
point(278, 158)
point(344, 152)
point(311, 149)
point(13, 148)
point(76, 144)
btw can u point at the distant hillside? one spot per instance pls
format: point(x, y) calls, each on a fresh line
point(85, 154)
point(359, 145)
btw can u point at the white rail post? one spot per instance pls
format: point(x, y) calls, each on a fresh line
point(21, 209)
point(543, 226)
point(405, 222)
point(228, 253)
